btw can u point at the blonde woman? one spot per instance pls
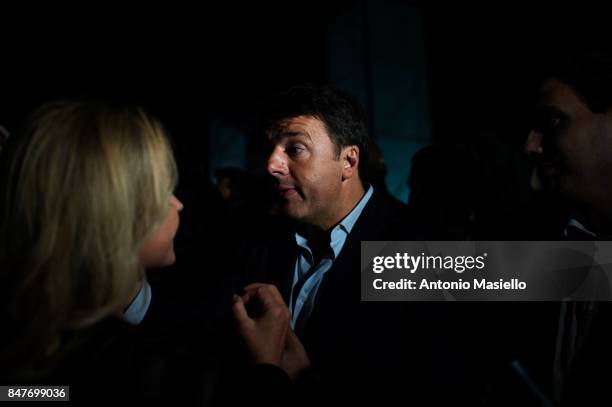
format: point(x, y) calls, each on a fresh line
point(87, 208)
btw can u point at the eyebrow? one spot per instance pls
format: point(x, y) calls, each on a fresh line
point(551, 109)
point(289, 134)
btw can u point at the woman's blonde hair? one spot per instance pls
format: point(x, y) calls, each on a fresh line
point(85, 187)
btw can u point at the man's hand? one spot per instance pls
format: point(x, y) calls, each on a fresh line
point(295, 359)
point(265, 335)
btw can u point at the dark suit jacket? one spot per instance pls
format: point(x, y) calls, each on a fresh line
point(372, 351)
point(531, 333)
point(114, 360)
point(159, 362)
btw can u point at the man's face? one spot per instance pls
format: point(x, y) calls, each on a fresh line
point(571, 144)
point(308, 171)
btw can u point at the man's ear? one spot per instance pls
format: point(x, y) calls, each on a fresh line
point(350, 162)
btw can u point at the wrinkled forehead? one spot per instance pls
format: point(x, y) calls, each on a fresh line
point(299, 126)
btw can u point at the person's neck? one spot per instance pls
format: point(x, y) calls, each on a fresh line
point(349, 198)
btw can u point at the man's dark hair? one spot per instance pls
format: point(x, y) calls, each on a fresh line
point(343, 117)
point(588, 71)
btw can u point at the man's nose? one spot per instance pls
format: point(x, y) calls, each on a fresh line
point(277, 164)
point(533, 143)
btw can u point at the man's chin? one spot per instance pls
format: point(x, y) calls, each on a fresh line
point(544, 180)
point(292, 211)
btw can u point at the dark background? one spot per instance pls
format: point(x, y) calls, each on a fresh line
point(190, 65)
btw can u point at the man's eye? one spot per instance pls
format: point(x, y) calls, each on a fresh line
point(554, 120)
point(546, 122)
point(293, 150)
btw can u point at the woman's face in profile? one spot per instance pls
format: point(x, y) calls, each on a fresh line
point(158, 250)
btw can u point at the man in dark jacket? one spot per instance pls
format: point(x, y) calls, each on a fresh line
point(371, 351)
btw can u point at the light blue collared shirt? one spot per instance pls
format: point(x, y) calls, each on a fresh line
point(304, 303)
point(575, 223)
point(136, 311)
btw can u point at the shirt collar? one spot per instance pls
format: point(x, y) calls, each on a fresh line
point(136, 311)
point(349, 220)
point(576, 224)
point(343, 228)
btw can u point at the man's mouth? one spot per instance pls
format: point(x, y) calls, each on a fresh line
point(546, 174)
point(287, 192)
point(547, 168)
